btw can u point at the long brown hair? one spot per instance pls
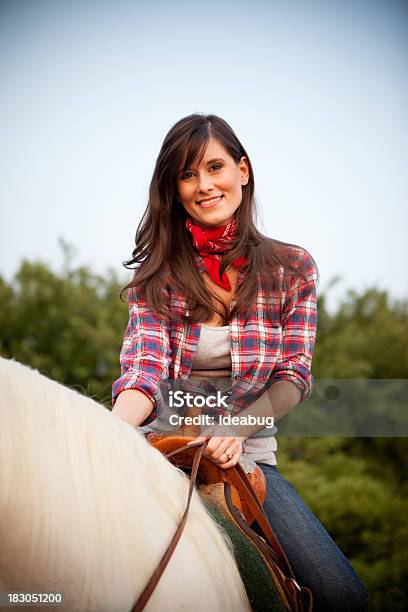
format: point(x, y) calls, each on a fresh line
point(164, 251)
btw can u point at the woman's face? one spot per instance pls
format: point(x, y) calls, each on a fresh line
point(212, 191)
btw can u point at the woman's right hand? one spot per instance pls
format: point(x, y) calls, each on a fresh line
point(133, 407)
point(224, 446)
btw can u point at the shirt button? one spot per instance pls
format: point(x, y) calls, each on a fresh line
point(235, 339)
point(237, 377)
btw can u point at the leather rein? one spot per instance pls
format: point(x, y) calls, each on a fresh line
point(151, 585)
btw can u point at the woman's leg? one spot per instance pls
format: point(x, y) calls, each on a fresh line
point(316, 560)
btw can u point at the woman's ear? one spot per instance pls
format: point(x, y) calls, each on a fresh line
point(244, 169)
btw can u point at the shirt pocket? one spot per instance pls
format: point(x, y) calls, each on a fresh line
point(270, 346)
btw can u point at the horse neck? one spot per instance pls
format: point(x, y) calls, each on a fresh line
point(88, 506)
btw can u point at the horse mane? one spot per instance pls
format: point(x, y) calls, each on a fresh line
point(88, 507)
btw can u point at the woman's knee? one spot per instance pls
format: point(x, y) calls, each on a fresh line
point(345, 594)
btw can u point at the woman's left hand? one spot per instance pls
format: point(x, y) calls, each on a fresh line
point(224, 447)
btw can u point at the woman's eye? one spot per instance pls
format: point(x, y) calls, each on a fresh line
point(188, 174)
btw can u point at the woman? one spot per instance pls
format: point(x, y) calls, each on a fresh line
point(215, 303)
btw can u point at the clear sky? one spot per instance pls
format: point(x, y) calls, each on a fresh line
point(317, 91)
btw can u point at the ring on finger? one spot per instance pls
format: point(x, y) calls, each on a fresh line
point(229, 454)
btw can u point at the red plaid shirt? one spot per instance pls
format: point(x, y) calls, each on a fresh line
point(265, 349)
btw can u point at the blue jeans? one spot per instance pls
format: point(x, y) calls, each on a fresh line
point(316, 560)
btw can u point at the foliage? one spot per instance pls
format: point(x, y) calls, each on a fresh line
point(69, 324)
point(361, 504)
point(366, 338)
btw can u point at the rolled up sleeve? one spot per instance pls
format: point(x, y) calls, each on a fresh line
point(145, 354)
point(299, 322)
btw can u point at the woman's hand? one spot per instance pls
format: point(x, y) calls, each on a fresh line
point(224, 447)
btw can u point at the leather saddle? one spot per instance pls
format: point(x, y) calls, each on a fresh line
point(175, 447)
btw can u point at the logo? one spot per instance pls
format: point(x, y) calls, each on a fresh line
point(179, 399)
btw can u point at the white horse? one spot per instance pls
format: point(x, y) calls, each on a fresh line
point(87, 507)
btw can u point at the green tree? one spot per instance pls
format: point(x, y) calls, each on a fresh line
point(68, 325)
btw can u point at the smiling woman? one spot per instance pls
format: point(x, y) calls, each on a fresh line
point(216, 303)
point(211, 191)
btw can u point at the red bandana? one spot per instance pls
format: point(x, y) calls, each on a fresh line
point(211, 241)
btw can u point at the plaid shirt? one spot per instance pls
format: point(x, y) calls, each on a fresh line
point(265, 349)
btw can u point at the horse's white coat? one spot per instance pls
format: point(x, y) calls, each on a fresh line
point(88, 507)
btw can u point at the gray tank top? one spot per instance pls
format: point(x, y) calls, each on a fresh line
point(213, 357)
point(212, 360)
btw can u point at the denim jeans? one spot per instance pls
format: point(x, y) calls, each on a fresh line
point(316, 560)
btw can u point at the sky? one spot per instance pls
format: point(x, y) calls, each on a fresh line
point(316, 91)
